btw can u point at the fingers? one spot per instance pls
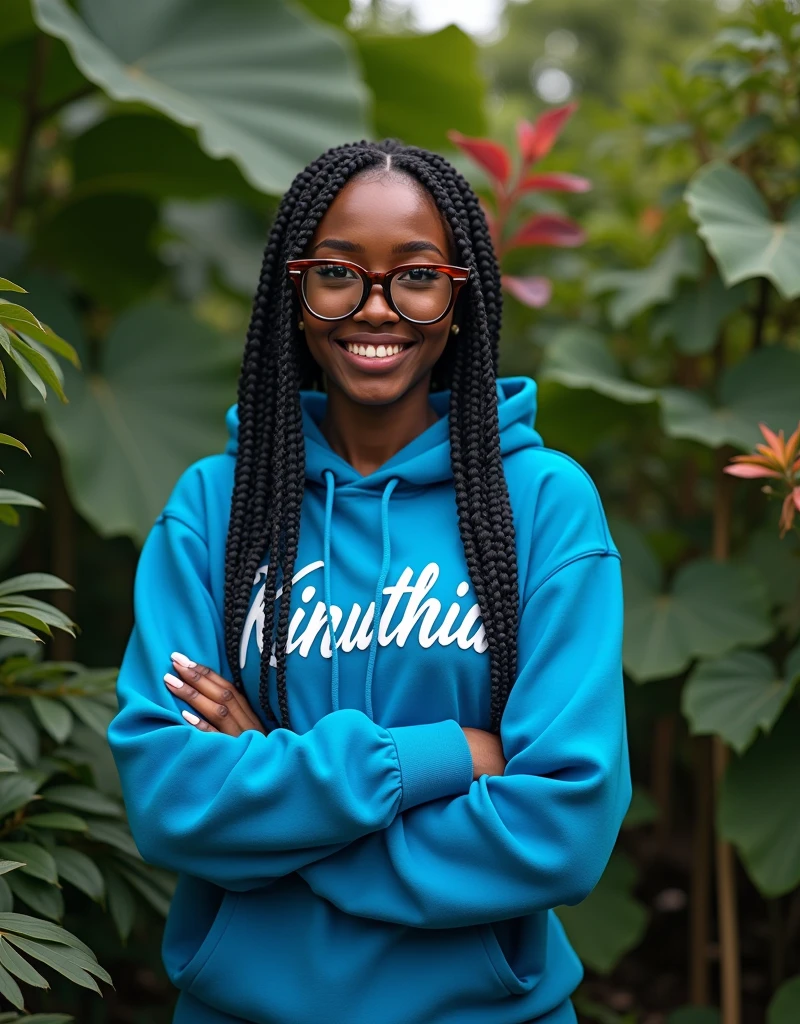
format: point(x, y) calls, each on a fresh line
point(200, 723)
point(210, 695)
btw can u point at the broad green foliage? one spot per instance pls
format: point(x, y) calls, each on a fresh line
point(709, 609)
point(737, 695)
point(736, 224)
point(579, 357)
point(423, 85)
point(179, 58)
point(763, 387)
point(758, 810)
point(161, 378)
point(785, 1005)
point(608, 922)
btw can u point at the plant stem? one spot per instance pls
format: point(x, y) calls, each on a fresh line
point(30, 121)
point(727, 915)
point(700, 907)
point(761, 312)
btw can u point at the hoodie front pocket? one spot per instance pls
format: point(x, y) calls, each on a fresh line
point(520, 970)
point(210, 942)
point(296, 958)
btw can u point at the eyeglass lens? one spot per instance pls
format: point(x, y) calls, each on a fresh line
point(334, 291)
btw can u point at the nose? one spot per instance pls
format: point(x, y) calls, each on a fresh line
point(376, 310)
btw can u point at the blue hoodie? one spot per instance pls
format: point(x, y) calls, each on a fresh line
point(351, 871)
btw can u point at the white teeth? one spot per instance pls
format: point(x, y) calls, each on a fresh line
point(371, 351)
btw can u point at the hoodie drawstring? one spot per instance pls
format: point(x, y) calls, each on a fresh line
point(387, 554)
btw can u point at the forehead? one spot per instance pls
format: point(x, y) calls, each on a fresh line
point(378, 211)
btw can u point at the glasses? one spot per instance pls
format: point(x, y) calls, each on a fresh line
point(423, 293)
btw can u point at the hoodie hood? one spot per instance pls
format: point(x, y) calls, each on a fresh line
point(423, 462)
point(426, 459)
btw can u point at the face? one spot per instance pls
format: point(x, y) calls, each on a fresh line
point(379, 222)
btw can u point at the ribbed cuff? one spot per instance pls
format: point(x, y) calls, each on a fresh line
point(435, 761)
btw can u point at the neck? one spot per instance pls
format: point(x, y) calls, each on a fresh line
point(369, 435)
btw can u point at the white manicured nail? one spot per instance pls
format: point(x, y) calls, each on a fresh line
point(182, 660)
point(190, 717)
point(172, 680)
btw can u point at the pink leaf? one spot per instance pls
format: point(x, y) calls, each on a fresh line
point(749, 472)
point(776, 443)
point(796, 498)
point(555, 182)
point(536, 140)
point(491, 156)
point(548, 229)
point(531, 291)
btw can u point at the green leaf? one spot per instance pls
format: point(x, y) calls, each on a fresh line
point(15, 316)
point(82, 798)
point(637, 290)
point(10, 989)
point(736, 696)
point(136, 152)
point(104, 242)
point(758, 807)
point(763, 387)
point(123, 439)
point(643, 810)
point(58, 819)
point(746, 133)
point(32, 581)
point(264, 84)
point(778, 561)
point(609, 922)
point(15, 791)
point(694, 319)
point(24, 924)
point(14, 629)
point(38, 863)
point(91, 712)
point(9, 286)
point(19, 731)
point(59, 959)
point(41, 897)
point(13, 962)
point(138, 879)
point(81, 871)
point(734, 221)
point(784, 1007)
point(6, 897)
point(7, 764)
point(113, 834)
point(8, 439)
point(8, 497)
point(579, 357)
point(121, 903)
point(406, 73)
point(710, 609)
point(54, 716)
point(9, 865)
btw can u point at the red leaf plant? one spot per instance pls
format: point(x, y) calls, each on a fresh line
point(778, 459)
point(534, 142)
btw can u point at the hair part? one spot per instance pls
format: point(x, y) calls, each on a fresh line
point(276, 364)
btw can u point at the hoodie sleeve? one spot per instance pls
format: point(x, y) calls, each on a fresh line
point(240, 811)
point(541, 834)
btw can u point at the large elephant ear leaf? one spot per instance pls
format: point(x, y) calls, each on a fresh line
point(738, 228)
point(231, 71)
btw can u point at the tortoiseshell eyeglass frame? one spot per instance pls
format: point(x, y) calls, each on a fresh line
point(297, 270)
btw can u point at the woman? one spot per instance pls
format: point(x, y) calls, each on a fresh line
point(371, 710)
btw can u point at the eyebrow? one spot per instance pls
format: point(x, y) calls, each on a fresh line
point(343, 245)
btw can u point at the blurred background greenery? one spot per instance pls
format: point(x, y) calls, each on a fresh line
point(142, 151)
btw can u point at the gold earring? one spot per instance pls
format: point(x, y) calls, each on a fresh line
point(301, 325)
point(454, 328)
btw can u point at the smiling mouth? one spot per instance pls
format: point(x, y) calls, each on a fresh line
point(374, 349)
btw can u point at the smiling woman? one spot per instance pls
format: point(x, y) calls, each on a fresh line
point(371, 709)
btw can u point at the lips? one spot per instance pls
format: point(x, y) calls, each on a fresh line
point(374, 352)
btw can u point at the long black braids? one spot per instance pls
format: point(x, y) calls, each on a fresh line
point(270, 464)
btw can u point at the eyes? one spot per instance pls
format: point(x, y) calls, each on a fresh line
point(417, 275)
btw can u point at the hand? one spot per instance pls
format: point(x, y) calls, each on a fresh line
point(487, 753)
point(211, 695)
